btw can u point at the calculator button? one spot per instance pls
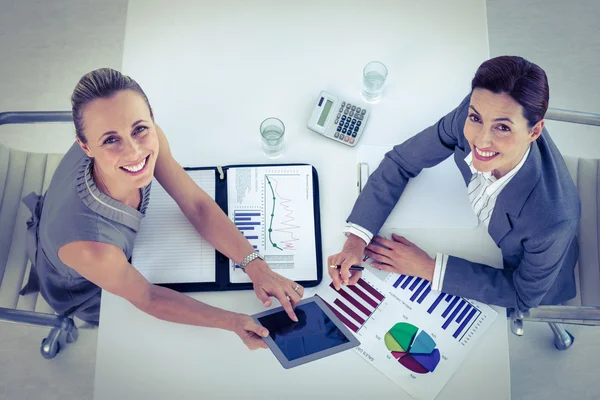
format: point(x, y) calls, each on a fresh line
point(343, 103)
point(351, 140)
point(339, 128)
point(336, 135)
point(341, 137)
point(351, 113)
point(346, 111)
point(353, 108)
point(354, 134)
point(356, 128)
point(336, 121)
point(344, 130)
point(358, 123)
point(348, 106)
point(360, 117)
point(363, 112)
point(354, 120)
point(339, 114)
point(341, 109)
point(347, 138)
point(357, 109)
point(346, 125)
point(343, 117)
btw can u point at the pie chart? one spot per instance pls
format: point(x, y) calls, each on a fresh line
point(413, 348)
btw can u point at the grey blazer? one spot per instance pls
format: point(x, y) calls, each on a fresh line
point(534, 221)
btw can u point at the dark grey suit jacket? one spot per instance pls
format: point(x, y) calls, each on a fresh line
point(534, 221)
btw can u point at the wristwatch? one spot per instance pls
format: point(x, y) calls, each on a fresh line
point(249, 259)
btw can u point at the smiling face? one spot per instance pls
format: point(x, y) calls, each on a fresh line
point(497, 132)
point(122, 139)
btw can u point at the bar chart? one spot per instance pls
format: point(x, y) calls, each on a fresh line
point(355, 304)
point(249, 222)
point(457, 315)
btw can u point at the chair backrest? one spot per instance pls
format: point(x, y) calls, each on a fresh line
point(586, 175)
point(20, 173)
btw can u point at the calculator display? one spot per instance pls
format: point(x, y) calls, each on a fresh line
point(325, 113)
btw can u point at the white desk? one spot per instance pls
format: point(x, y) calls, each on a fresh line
point(213, 71)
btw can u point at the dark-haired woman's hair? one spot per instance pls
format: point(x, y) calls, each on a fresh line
point(522, 80)
point(99, 84)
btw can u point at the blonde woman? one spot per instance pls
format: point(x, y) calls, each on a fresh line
point(82, 230)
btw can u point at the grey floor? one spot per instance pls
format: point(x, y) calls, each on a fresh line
point(47, 45)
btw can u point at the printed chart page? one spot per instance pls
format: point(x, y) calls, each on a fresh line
point(168, 249)
point(273, 207)
point(415, 336)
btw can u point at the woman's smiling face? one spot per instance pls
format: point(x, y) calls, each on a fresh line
point(497, 132)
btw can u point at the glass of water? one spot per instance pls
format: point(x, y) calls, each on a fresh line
point(272, 131)
point(374, 76)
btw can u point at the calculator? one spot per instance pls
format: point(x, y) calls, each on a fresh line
point(337, 119)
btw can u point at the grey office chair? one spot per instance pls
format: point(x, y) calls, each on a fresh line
point(21, 173)
point(584, 309)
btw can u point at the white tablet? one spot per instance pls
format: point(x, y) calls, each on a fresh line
point(317, 334)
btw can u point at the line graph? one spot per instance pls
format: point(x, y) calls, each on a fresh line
point(280, 214)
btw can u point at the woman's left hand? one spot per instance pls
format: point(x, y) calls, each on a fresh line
point(400, 256)
point(270, 284)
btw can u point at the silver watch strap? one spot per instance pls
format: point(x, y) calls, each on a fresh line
point(249, 258)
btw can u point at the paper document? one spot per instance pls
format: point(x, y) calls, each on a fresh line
point(437, 198)
point(168, 249)
point(274, 209)
point(415, 336)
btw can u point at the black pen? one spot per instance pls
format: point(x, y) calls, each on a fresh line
point(352, 268)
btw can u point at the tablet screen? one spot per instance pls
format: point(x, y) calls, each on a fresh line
point(313, 332)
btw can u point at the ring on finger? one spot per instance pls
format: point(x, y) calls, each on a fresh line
point(296, 288)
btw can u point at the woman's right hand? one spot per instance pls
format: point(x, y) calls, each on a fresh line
point(250, 332)
point(351, 254)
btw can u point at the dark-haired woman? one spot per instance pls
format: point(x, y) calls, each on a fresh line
point(518, 186)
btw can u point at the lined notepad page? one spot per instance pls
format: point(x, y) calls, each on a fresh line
point(168, 249)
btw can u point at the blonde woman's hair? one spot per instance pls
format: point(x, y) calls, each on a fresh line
point(100, 84)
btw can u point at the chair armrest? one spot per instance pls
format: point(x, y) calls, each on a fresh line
point(28, 117)
point(581, 315)
point(39, 319)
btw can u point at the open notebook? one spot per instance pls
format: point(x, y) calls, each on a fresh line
point(276, 207)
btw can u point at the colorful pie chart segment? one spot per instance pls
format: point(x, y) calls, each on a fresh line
point(423, 344)
point(414, 349)
point(391, 344)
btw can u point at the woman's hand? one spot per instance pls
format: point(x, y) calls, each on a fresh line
point(268, 283)
point(351, 254)
point(400, 256)
point(250, 332)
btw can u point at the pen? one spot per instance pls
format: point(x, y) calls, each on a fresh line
point(352, 268)
point(358, 178)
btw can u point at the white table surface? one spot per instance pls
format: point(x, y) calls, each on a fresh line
point(213, 71)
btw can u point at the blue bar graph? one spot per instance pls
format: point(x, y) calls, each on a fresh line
point(250, 225)
point(419, 290)
point(436, 302)
point(464, 324)
point(457, 314)
point(450, 307)
point(424, 295)
point(415, 283)
point(453, 315)
point(406, 282)
point(462, 314)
